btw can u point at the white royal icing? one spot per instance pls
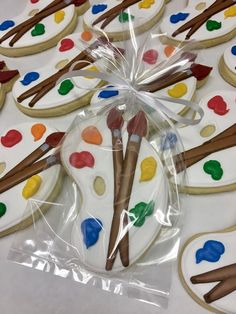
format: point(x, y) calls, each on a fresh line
point(228, 24)
point(190, 135)
point(52, 28)
point(101, 207)
point(190, 268)
point(53, 99)
point(191, 83)
point(18, 208)
point(141, 16)
point(230, 59)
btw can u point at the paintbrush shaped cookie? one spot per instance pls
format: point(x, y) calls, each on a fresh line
point(208, 22)
point(40, 26)
point(20, 147)
point(177, 85)
point(210, 146)
point(7, 79)
point(114, 17)
point(207, 268)
point(227, 65)
point(123, 187)
point(36, 92)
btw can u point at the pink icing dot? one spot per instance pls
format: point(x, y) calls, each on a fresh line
point(34, 1)
point(66, 44)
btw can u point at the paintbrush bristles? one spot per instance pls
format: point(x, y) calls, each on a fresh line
point(54, 139)
point(138, 125)
point(115, 120)
point(200, 71)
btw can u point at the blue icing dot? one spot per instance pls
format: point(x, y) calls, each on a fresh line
point(97, 8)
point(91, 228)
point(108, 93)
point(175, 18)
point(29, 78)
point(233, 50)
point(169, 141)
point(6, 24)
point(211, 252)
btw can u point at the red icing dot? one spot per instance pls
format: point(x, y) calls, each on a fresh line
point(34, 1)
point(12, 138)
point(218, 104)
point(81, 160)
point(66, 44)
point(150, 56)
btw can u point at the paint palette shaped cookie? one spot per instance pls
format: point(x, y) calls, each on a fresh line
point(88, 158)
point(144, 14)
point(15, 144)
point(62, 98)
point(182, 89)
point(207, 269)
point(40, 26)
point(7, 79)
point(214, 141)
point(208, 22)
point(227, 65)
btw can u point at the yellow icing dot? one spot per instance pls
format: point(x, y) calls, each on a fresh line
point(33, 12)
point(148, 169)
point(2, 167)
point(59, 16)
point(92, 68)
point(230, 12)
point(31, 187)
point(146, 4)
point(62, 63)
point(178, 91)
point(200, 6)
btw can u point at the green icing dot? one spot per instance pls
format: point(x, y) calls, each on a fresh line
point(3, 209)
point(212, 25)
point(213, 167)
point(124, 17)
point(139, 213)
point(65, 87)
point(38, 30)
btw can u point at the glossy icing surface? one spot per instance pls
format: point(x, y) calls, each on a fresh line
point(51, 27)
point(230, 58)
point(18, 207)
point(190, 268)
point(100, 206)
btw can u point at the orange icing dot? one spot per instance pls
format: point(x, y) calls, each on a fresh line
point(91, 135)
point(169, 50)
point(37, 131)
point(86, 36)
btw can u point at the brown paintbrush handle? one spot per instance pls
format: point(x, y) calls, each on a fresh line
point(115, 10)
point(160, 84)
point(30, 20)
point(28, 172)
point(119, 235)
point(200, 19)
point(117, 152)
point(29, 160)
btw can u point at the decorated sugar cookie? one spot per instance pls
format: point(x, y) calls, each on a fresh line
point(123, 187)
point(21, 179)
point(40, 26)
point(227, 65)
point(208, 22)
point(207, 268)
point(7, 79)
point(36, 92)
point(179, 85)
point(210, 146)
point(113, 17)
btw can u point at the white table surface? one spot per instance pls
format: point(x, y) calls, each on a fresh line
point(26, 291)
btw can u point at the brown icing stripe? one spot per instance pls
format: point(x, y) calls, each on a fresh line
point(226, 276)
point(22, 28)
point(111, 14)
point(194, 24)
